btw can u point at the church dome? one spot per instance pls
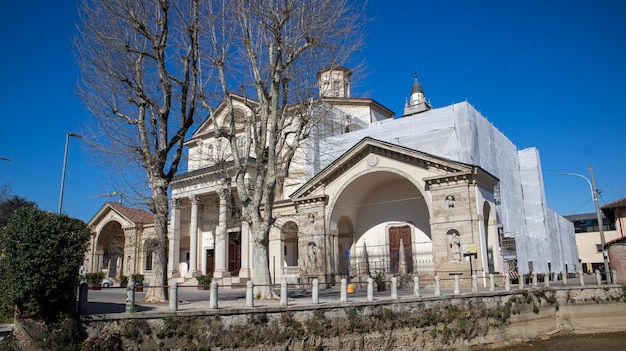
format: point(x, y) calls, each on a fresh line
point(416, 87)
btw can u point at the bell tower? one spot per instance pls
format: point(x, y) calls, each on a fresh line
point(334, 82)
point(417, 102)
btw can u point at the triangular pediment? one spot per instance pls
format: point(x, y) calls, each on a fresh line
point(441, 170)
point(125, 215)
point(242, 106)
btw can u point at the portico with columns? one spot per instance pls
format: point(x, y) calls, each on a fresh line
point(205, 236)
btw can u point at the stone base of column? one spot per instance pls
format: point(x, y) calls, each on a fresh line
point(245, 274)
point(173, 274)
point(192, 274)
point(221, 274)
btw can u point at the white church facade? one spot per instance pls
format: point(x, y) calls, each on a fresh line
point(437, 191)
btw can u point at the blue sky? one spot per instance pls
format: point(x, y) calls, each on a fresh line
point(548, 74)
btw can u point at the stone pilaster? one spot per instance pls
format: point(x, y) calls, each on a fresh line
point(315, 247)
point(244, 271)
point(455, 229)
point(221, 237)
point(174, 240)
point(193, 238)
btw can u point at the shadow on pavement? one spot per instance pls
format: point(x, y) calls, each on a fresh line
point(108, 307)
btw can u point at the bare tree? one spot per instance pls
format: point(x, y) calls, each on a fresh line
point(140, 78)
point(269, 52)
point(146, 66)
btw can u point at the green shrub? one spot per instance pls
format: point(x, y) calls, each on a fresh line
point(137, 278)
point(204, 279)
point(49, 249)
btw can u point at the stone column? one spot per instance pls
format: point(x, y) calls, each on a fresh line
point(193, 238)
point(174, 239)
point(244, 271)
point(220, 238)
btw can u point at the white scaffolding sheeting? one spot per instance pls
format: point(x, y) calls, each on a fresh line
point(460, 133)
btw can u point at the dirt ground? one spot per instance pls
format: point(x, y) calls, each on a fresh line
point(590, 342)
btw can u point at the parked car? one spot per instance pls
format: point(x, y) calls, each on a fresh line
point(106, 283)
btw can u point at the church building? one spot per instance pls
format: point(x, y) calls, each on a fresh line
point(437, 191)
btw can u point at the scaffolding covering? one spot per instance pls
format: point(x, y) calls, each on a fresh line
point(460, 133)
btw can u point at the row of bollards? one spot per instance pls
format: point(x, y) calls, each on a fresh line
point(213, 294)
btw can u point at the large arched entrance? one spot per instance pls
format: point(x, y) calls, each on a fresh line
point(109, 255)
point(491, 248)
point(383, 219)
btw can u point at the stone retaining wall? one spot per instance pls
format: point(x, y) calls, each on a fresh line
point(462, 321)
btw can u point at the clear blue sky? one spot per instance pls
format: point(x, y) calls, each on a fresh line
point(548, 74)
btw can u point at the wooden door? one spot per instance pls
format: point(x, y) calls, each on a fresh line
point(210, 261)
point(234, 253)
point(395, 234)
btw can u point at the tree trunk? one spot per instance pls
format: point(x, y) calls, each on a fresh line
point(262, 278)
point(157, 293)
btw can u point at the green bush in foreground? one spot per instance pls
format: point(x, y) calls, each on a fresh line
point(40, 254)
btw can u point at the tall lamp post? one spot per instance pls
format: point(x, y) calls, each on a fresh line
point(594, 194)
point(67, 140)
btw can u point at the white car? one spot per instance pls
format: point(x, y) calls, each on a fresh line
point(106, 283)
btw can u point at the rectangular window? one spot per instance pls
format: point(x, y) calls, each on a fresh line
point(599, 247)
point(149, 261)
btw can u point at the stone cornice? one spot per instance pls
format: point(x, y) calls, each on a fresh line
point(369, 146)
point(323, 199)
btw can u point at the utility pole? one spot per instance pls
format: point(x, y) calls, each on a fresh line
point(600, 227)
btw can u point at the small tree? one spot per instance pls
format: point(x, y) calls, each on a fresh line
point(40, 257)
point(8, 206)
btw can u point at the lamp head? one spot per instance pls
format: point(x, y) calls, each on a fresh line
point(70, 134)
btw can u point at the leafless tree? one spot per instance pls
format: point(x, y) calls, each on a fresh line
point(140, 78)
point(147, 69)
point(269, 52)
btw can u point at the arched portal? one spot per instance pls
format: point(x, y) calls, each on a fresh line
point(372, 207)
point(490, 256)
point(345, 241)
point(109, 254)
point(289, 236)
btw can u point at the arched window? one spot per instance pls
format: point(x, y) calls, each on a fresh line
point(150, 246)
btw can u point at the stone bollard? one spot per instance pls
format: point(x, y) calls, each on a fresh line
point(521, 281)
point(535, 280)
point(564, 277)
point(457, 287)
point(130, 298)
point(437, 286)
point(492, 283)
point(370, 289)
point(249, 294)
point(507, 282)
point(343, 297)
point(598, 277)
point(315, 292)
point(474, 283)
point(283, 292)
point(174, 296)
point(581, 277)
point(416, 286)
point(614, 276)
point(546, 281)
point(394, 288)
point(213, 295)
point(83, 291)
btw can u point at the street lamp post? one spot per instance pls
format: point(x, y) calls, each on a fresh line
point(594, 194)
point(67, 140)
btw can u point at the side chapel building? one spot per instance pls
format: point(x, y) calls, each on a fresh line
point(436, 191)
